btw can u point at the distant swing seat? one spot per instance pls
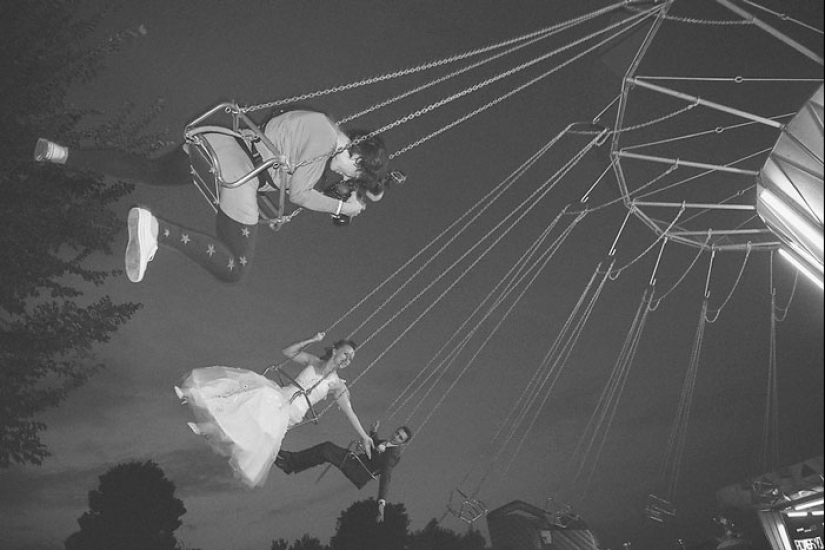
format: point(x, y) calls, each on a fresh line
point(469, 509)
point(206, 167)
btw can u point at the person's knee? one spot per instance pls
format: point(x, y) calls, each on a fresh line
point(331, 452)
point(328, 446)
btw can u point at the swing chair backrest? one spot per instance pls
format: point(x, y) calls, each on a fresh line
point(357, 454)
point(206, 171)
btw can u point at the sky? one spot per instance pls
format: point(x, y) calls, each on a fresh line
point(313, 276)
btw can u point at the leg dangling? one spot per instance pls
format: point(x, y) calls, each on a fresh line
point(227, 257)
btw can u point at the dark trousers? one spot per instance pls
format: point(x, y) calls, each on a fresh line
point(324, 453)
point(227, 255)
point(168, 170)
point(328, 453)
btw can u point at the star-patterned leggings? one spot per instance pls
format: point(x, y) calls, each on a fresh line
point(227, 255)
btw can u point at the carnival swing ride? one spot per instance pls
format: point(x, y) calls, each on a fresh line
point(706, 170)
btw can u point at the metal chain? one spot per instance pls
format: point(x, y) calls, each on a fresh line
point(641, 124)
point(484, 83)
point(657, 120)
point(443, 78)
point(430, 65)
point(525, 40)
point(474, 88)
point(614, 274)
point(463, 93)
point(714, 314)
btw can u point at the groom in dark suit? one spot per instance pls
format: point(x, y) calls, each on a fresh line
point(354, 463)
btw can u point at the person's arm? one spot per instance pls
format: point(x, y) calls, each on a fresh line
point(391, 458)
point(342, 397)
point(314, 200)
point(309, 138)
point(295, 350)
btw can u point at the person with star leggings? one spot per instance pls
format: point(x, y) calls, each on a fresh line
point(306, 139)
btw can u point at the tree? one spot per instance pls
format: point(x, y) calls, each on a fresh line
point(435, 537)
point(54, 221)
point(134, 508)
point(308, 542)
point(357, 529)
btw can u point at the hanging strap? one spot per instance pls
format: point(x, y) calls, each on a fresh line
point(265, 180)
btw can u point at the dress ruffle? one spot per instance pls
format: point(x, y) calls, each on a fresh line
point(242, 415)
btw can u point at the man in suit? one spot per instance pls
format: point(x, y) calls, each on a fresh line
point(355, 464)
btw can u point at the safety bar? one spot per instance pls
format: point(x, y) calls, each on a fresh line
point(192, 130)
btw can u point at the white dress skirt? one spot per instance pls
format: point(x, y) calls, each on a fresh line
point(245, 416)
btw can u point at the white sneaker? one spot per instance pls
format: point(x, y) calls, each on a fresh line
point(49, 151)
point(194, 428)
point(143, 242)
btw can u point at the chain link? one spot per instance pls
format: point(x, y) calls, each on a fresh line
point(429, 108)
point(432, 64)
point(484, 83)
point(638, 126)
point(657, 120)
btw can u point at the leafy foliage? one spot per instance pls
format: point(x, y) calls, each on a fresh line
point(45, 354)
point(357, 529)
point(434, 537)
point(55, 223)
point(308, 542)
point(134, 508)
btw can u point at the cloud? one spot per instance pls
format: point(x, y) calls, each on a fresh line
point(23, 487)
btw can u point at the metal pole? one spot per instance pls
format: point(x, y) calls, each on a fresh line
point(772, 31)
point(681, 162)
point(697, 205)
point(631, 70)
point(706, 103)
point(722, 232)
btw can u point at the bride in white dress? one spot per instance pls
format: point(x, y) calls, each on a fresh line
point(244, 415)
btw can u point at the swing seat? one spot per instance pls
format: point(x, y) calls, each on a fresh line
point(357, 454)
point(469, 510)
point(659, 509)
point(205, 165)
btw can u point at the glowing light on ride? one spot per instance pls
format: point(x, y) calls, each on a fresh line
point(790, 189)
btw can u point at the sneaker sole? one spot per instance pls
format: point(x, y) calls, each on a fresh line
point(139, 226)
